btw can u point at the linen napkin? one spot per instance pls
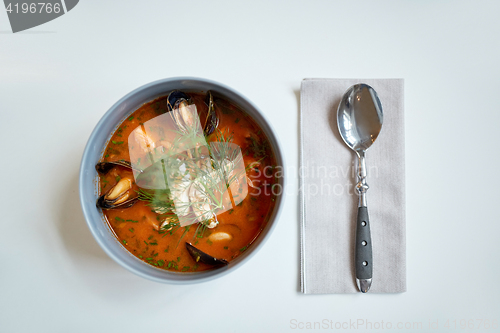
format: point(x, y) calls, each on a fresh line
point(328, 199)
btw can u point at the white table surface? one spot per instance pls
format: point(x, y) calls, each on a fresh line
point(58, 79)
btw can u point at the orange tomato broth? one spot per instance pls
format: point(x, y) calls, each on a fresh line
point(134, 226)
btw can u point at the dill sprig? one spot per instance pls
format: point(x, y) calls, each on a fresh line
point(186, 229)
point(200, 230)
point(159, 200)
point(210, 169)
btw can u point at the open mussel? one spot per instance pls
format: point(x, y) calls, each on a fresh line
point(121, 195)
point(178, 104)
point(176, 97)
point(212, 120)
point(200, 256)
point(184, 116)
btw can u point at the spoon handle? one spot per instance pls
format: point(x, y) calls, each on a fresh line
point(363, 255)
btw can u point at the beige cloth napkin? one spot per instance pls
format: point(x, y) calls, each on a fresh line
point(329, 202)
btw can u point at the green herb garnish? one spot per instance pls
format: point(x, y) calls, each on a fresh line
point(258, 148)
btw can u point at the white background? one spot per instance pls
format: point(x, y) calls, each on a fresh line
point(58, 79)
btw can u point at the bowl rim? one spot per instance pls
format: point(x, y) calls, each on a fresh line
point(187, 278)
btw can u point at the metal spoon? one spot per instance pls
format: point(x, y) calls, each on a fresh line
point(359, 118)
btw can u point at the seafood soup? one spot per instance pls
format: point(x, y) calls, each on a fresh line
point(187, 182)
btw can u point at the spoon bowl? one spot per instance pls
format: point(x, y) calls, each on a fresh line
point(360, 117)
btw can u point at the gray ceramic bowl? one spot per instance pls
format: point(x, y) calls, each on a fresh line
point(94, 150)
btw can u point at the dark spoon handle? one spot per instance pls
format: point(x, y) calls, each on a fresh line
point(363, 255)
